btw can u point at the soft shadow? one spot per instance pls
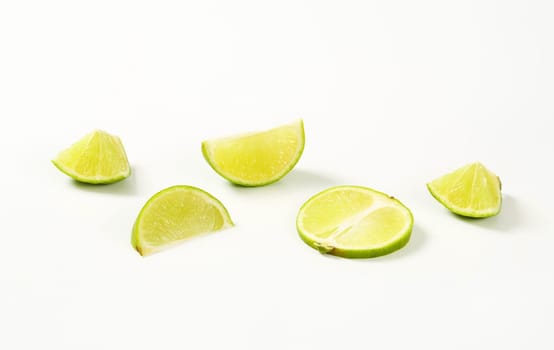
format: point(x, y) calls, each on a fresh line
point(303, 178)
point(508, 219)
point(298, 178)
point(126, 187)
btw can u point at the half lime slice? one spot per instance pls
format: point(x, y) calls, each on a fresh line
point(354, 222)
point(258, 158)
point(176, 214)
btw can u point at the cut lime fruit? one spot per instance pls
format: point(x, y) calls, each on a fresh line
point(354, 222)
point(256, 159)
point(176, 214)
point(472, 191)
point(97, 158)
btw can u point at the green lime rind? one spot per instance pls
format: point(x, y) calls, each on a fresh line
point(361, 253)
point(269, 181)
point(367, 252)
point(135, 235)
point(91, 180)
point(465, 212)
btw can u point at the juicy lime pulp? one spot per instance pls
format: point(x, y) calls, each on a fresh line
point(259, 158)
point(472, 191)
point(354, 222)
point(97, 158)
point(176, 214)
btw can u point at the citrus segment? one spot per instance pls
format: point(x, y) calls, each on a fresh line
point(98, 158)
point(472, 191)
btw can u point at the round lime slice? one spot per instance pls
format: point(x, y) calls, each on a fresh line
point(259, 158)
point(176, 214)
point(354, 222)
point(97, 158)
point(472, 191)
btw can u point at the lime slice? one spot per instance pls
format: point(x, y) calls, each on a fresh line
point(472, 191)
point(256, 159)
point(97, 158)
point(354, 222)
point(176, 214)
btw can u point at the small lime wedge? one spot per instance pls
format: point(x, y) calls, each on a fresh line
point(354, 222)
point(98, 158)
point(472, 191)
point(176, 214)
point(256, 159)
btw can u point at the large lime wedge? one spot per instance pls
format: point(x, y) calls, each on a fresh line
point(256, 159)
point(354, 222)
point(472, 191)
point(98, 158)
point(176, 214)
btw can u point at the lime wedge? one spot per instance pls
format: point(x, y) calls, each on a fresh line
point(256, 159)
point(97, 158)
point(176, 214)
point(354, 222)
point(472, 191)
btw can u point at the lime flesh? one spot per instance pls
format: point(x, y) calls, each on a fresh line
point(176, 214)
point(97, 158)
point(354, 222)
point(472, 191)
point(256, 159)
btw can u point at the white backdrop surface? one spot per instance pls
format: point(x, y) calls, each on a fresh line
point(392, 93)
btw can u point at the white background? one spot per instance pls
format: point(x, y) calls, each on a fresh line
point(393, 94)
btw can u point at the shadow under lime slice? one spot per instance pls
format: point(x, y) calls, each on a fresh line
point(354, 222)
point(176, 214)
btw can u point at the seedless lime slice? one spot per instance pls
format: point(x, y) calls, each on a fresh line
point(354, 222)
point(176, 214)
point(98, 158)
point(472, 191)
point(256, 159)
